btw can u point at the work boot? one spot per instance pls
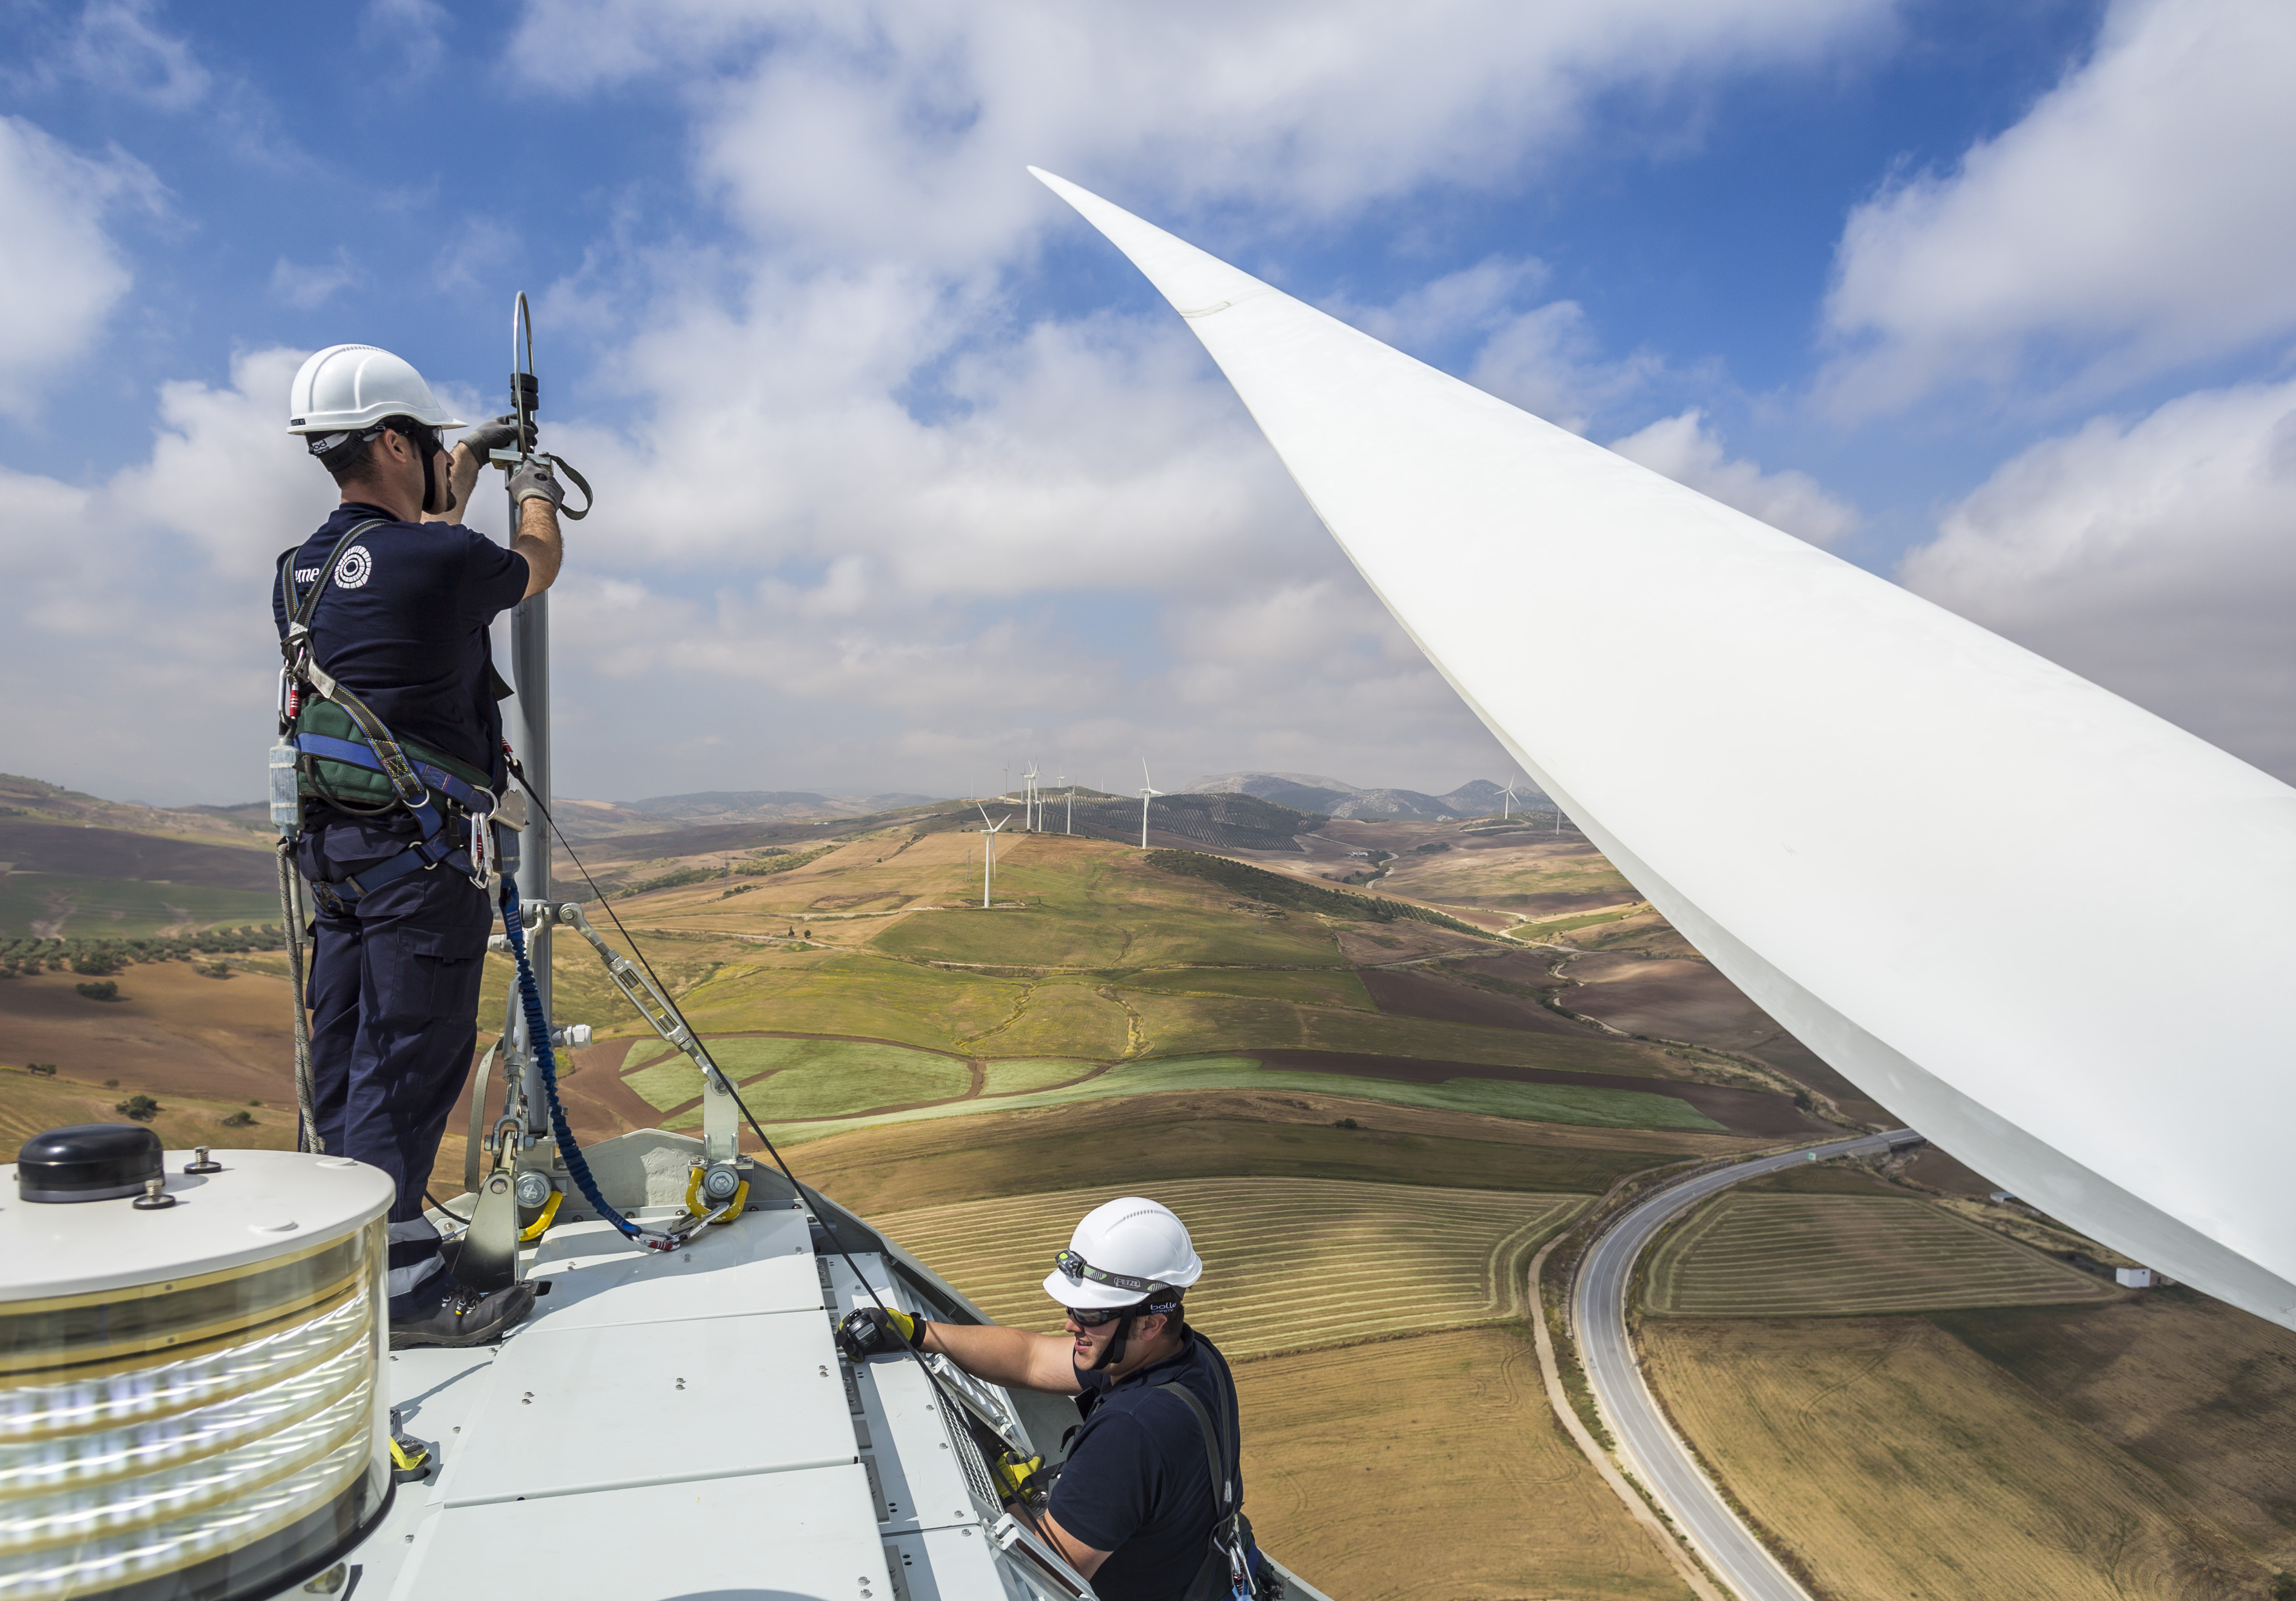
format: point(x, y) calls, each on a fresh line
point(464, 1317)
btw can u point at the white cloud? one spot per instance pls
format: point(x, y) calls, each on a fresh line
point(1690, 453)
point(1545, 359)
point(305, 287)
point(116, 47)
point(2154, 556)
point(2141, 216)
point(476, 255)
point(1548, 362)
point(902, 127)
point(413, 30)
point(60, 273)
point(137, 605)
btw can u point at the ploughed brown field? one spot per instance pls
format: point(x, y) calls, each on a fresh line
point(2123, 1451)
point(1289, 1263)
point(173, 1032)
point(2022, 1427)
point(1767, 1255)
point(1432, 1466)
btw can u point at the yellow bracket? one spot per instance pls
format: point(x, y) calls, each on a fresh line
point(407, 1463)
point(701, 1208)
point(533, 1231)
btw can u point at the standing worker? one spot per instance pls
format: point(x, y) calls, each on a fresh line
point(1135, 1508)
point(397, 597)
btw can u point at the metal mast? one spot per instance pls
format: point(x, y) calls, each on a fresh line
point(530, 655)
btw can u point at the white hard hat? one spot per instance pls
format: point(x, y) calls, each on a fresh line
point(346, 388)
point(1122, 1254)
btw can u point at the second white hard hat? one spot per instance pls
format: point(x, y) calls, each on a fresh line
point(345, 388)
point(1122, 1254)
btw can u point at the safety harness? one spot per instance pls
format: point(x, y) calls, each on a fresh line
point(1226, 1570)
point(371, 771)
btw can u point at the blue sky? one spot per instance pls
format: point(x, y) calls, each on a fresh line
point(905, 476)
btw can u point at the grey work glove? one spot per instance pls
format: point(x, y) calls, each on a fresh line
point(533, 482)
point(486, 438)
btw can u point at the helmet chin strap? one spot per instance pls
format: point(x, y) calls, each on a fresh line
point(434, 493)
point(1115, 1352)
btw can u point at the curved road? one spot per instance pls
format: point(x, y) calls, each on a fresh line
point(1645, 1438)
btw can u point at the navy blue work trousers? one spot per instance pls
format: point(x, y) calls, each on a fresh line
point(394, 999)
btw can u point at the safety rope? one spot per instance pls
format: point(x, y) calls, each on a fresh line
point(306, 1097)
point(545, 1062)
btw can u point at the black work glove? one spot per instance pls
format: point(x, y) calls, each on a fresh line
point(873, 1329)
point(534, 482)
point(486, 437)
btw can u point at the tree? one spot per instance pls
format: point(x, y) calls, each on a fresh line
point(141, 1109)
point(103, 989)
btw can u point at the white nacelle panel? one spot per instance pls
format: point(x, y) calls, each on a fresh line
point(763, 1263)
point(784, 1536)
point(591, 1409)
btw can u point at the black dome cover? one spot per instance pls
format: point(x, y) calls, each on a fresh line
point(88, 1162)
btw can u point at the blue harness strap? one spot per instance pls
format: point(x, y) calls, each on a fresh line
point(425, 853)
point(358, 755)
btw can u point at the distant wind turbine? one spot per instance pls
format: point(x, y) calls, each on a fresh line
point(1147, 788)
point(1506, 806)
point(989, 850)
point(1071, 823)
point(1028, 798)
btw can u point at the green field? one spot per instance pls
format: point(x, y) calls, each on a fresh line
point(1325, 988)
point(1288, 1263)
point(1510, 879)
point(783, 1080)
point(1818, 1255)
point(736, 988)
point(1032, 1073)
point(122, 907)
point(1096, 935)
point(1589, 1107)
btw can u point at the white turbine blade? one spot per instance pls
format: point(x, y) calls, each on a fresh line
point(1880, 780)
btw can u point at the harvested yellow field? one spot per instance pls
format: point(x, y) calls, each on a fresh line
point(1288, 1263)
point(1893, 1461)
point(1433, 1467)
point(1789, 1255)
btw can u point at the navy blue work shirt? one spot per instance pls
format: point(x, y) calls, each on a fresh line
point(403, 626)
point(1136, 1485)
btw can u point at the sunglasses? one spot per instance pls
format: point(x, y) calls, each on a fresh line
point(424, 440)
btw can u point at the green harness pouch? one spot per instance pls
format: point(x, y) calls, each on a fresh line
point(325, 779)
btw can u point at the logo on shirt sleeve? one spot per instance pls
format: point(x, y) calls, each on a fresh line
point(351, 572)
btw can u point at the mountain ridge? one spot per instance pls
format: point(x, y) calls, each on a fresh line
point(1337, 798)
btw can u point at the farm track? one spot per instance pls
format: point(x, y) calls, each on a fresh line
point(1291, 1264)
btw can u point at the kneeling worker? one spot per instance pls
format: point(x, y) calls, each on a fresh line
point(1135, 1508)
point(396, 596)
